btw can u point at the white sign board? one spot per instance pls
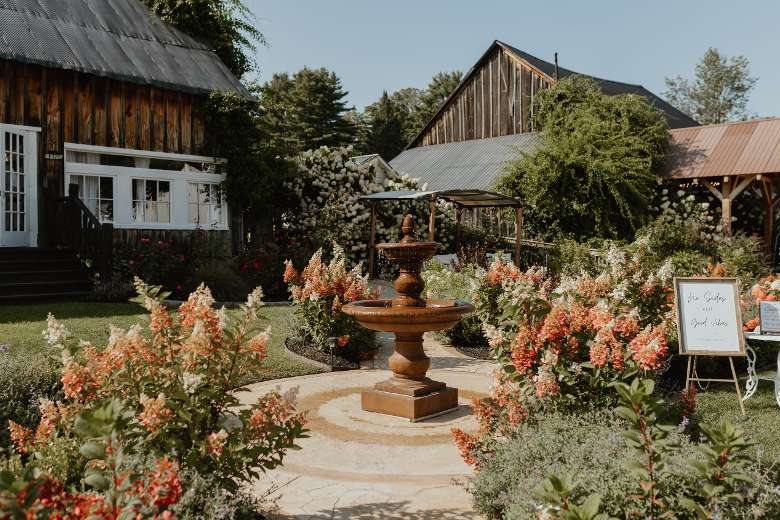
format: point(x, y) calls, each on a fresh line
point(769, 316)
point(709, 321)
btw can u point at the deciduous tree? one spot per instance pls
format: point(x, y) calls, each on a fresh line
point(594, 174)
point(719, 91)
point(227, 26)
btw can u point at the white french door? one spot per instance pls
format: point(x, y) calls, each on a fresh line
point(18, 186)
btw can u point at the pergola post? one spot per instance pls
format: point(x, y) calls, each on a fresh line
point(371, 242)
point(518, 233)
point(432, 219)
point(730, 188)
point(770, 202)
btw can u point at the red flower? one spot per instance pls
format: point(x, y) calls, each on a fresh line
point(343, 341)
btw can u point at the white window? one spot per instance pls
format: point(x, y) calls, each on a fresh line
point(97, 193)
point(151, 201)
point(204, 204)
point(142, 189)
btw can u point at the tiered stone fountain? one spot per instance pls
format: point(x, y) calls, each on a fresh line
point(409, 393)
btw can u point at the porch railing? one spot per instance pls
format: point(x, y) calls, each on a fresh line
point(79, 228)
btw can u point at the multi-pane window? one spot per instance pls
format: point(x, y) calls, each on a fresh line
point(13, 173)
point(204, 204)
point(97, 193)
point(151, 201)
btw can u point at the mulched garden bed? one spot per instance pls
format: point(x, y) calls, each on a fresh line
point(312, 352)
point(474, 352)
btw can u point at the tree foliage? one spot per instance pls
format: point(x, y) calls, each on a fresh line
point(225, 25)
point(385, 128)
point(307, 110)
point(719, 91)
point(594, 174)
point(255, 164)
point(433, 97)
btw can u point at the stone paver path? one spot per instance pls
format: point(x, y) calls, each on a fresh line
point(361, 465)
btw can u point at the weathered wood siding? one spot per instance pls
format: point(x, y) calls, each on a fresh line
point(70, 107)
point(497, 99)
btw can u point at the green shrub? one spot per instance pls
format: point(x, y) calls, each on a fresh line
point(688, 263)
point(204, 499)
point(571, 258)
point(221, 274)
point(24, 381)
point(590, 449)
point(744, 257)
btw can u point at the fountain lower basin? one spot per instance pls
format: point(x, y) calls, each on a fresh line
point(382, 315)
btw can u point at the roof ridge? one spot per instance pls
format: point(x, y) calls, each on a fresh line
point(194, 45)
point(730, 123)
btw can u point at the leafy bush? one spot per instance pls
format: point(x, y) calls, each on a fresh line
point(116, 290)
point(594, 176)
point(589, 449)
point(566, 344)
point(570, 258)
point(167, 263)
point(587, 445)
point(170, 391)
point(205, 499)
point(24, 382)
point(221, 274)
point(319, 291)
point(723, 480)
point(456, 282)
point(744, 257)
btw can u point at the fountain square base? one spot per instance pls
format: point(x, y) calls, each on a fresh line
point(412, 407)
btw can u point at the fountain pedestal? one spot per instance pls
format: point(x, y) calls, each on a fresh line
point(409, 393)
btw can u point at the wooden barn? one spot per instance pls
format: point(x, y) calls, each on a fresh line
point(101, 132)
point(488, 119)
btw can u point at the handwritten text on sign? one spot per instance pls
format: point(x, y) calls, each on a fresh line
point(709, 317)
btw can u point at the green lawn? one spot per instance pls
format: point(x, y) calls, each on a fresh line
point(762, 419)
point(21, 327)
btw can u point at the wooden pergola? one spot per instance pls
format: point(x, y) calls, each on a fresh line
point(462, 199)
point(727, 158)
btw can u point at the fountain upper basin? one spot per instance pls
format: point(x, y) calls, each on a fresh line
point(381, 315)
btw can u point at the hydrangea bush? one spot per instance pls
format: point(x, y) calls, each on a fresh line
point(566, 343)
point(319, 292)
point(167, 391)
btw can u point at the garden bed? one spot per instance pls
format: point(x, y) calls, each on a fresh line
point(474, 352)
point(309, 353)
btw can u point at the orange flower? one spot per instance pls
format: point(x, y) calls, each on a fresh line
point(343, 341)
point(21, 437)
point(155, 415)
point(751, 325)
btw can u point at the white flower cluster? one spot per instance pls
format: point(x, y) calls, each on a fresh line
point(328, 187)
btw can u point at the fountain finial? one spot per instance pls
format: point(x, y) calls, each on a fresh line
point(408, 228)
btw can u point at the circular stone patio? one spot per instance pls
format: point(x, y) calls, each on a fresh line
point(362, 465)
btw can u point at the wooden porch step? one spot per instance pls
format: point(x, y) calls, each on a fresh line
point(46, 287)
point(13, 299)
point(41, 274)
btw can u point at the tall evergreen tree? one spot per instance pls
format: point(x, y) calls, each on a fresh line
point(225, 25)
point(307, 110)
point(718, 93)
point(385, 128)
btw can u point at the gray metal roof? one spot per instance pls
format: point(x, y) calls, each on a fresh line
point(675, 118)
point(463, 198)
point(466, 165)
point(119, 39)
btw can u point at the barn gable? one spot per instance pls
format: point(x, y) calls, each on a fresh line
point(496, 98)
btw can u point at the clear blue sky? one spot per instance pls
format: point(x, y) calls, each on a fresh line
point(373, 45)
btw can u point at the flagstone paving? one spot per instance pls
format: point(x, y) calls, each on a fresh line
point(361, 465)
